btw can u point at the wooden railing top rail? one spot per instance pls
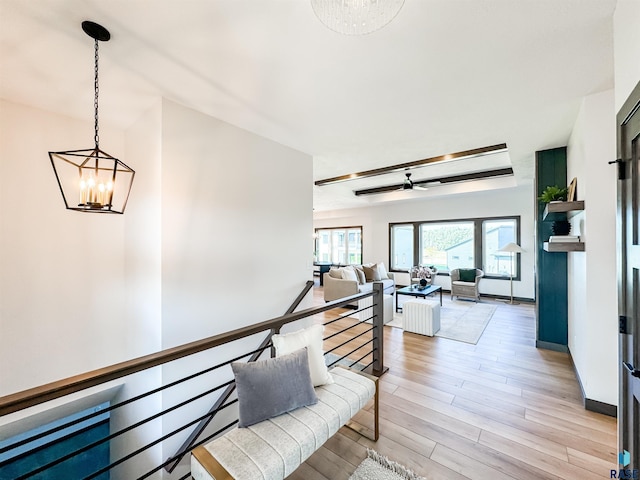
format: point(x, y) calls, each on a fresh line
point(44, 393)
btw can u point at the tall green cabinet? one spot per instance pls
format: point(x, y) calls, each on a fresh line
point(551, 271)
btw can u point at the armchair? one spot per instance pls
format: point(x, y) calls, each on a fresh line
point(460, 288)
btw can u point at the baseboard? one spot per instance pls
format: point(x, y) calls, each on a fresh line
point(589, 404)
point(556, 347)
point(601, 407)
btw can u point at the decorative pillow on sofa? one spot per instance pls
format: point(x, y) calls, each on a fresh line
point(382, 270)
point(468, 275)
point(362, 278)
point(348, 273)
point(311, 338)
point(335, 272)
point(371, 273)
point(267, 388)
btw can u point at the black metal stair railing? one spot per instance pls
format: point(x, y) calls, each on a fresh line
point(369, 337)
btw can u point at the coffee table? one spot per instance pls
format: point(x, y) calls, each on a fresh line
point(413, 291)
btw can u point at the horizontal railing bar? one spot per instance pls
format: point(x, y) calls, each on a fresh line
point(94, 444)
point(358, 360)
point(155, 442)
point(352, 351)
point(37, 395)
point(346, 315)
point(344, 330)
point(350, 340)
point(130, 400)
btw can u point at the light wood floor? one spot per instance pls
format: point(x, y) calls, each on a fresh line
point(501, 409)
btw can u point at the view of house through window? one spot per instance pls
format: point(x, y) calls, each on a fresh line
point(453, 244)
point(496, 234)
point(341, 246)
point(447, 245)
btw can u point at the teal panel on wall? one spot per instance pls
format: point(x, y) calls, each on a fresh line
point(552, 288)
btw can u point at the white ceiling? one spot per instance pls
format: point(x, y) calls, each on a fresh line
point(442, 77)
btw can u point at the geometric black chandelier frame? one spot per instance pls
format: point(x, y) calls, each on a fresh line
point(91, 180)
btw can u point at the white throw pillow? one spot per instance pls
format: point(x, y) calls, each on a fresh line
point(382, 270)
point(349, 273)
point(311, 338)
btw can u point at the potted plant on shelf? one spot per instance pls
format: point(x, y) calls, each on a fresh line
point(554, 193)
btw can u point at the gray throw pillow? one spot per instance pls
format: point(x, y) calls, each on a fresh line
point(267, 388)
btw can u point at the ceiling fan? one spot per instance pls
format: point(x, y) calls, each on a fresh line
point(409, 185)
point(421, 184)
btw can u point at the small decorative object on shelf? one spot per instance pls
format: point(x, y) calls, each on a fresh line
point(561, 227)
point(553, 193)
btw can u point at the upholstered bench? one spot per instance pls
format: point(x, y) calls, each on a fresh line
point(273, 448)
point(421, 316)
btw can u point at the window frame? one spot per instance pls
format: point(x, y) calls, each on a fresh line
point(478, 242)
point(316, 241)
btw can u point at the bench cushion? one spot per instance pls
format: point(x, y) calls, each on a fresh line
point(274, 448)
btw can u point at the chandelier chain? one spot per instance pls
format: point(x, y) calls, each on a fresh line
point(95, 98)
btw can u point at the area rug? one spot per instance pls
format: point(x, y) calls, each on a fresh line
point(379, 467)
point(461, 321)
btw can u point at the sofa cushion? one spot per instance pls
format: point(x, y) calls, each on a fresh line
point(311, 338)
point(348, 273)
point(267, 388)
point(371, 273)
point(468, 274)
point(362, 279)
point(335, 273)
point(387, 284)
point(382, 270)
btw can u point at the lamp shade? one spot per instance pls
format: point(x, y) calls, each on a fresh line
point(511, 247)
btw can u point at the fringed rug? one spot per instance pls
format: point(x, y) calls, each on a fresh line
point(459, 320)
point(379, 467)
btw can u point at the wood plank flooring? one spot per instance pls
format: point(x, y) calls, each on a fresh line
point(501, 409)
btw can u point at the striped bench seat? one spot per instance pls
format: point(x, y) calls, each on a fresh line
point(274, 448)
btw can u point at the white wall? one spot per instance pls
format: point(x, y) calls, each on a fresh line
point(216, 236)
point(62, 282)
point(626, 49)
point(236, 239)
point(375, 227)
point(592, 299)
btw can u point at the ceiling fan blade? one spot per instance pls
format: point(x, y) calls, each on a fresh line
point(416, 184)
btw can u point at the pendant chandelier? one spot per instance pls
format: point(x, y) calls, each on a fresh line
point(91, 180)
point(356, 17)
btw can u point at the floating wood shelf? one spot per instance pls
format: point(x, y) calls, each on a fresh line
point(557, 210)
point(563, 246)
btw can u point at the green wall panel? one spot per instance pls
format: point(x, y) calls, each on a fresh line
point(551, 169)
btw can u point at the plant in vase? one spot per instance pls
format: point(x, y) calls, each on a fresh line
point(553, 193)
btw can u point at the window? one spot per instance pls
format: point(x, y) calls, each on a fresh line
point(495, 235)
point(465, 243)
point(339, 245)
point(447, 245)
point(401, 247)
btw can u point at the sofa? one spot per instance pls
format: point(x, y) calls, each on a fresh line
point(350, 280)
